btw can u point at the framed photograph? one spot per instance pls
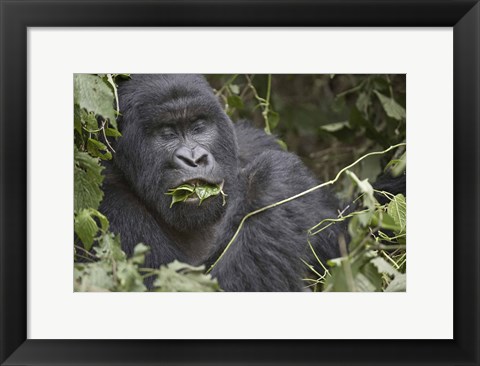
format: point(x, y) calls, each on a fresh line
point(239, 182)
point(209, 183)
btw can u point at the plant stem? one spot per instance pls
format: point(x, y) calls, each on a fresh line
point(267, 106)
point(301, 194)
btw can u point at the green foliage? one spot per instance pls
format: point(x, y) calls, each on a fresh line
point(397, 209)
point(109, 269)
point(93, 102)
point(376, 255)
point(235, 97)
point(98, 149)
point(180, 277)
point(398, 166)
point(234, 102)
point(86, 227)
point(94, 95)
point(202, 191)
point(87, 181)
point(365, 188)
point(94, 113)
point(391, 107)
point(328, 120)
point(100, 264)
point(181, 193)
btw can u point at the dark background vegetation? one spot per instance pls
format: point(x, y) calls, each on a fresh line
point(329, 120)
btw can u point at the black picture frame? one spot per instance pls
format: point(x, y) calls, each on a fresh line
point(18, 15)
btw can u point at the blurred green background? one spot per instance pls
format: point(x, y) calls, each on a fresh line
point(328, 120)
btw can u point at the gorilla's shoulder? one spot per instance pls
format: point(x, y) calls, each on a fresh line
point(119, 197)
point(253, 141)
point(275, 175)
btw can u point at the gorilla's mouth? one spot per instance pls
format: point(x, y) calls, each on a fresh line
point(202, 182)
point(196, 190)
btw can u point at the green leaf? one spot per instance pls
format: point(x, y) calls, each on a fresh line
point(112, 132)
point(363, 102)
point(98, 149)
point(180, 277)
point(391, 107)
point(399, 284)
point(366, 188)
point(93, 277)
point(397, 209)
point(121, 76)
point(387, 222)
point(87, 192)
point(400, 165)
point(394, 162)
point(370, 273)
point(180, 197)
point(102, 218)
point(273, 119)
point(205, 191)
point(93, 94)
point(128, 278)
point(183, 187)
point(234, 101)
point(85, 227)
point(371, 167)
point(381, 83)
point(87, 181)
point(202, 191)
point(112, 271)
point(352, 275)
point(383, 266)
point(109, 248)
point(364, 218)
point(356, 120)
point(180, 193)
point(89, 120)
point(139, 253)
point(235, 89)
point(77, 119)
point(333, 127)
point(363, 284)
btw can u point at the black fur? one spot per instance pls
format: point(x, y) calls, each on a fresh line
point(267, 254)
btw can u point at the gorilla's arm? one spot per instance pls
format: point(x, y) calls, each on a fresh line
point(266, 256)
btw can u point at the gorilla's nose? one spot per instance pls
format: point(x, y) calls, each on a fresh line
point(197, 157)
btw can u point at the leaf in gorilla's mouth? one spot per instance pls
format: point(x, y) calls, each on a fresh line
point(195, 190)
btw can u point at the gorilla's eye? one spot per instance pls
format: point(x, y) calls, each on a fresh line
point(167, 132)
point(198, 126)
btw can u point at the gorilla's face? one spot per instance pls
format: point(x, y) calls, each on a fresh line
point(174, 132)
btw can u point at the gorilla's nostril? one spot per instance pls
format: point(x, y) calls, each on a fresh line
point(202, 160)
point(198, 157)
point(187, 161)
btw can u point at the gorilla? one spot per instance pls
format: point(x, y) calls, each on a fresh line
point(174, 131)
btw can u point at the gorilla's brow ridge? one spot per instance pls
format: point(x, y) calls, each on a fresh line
point(180, 110)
